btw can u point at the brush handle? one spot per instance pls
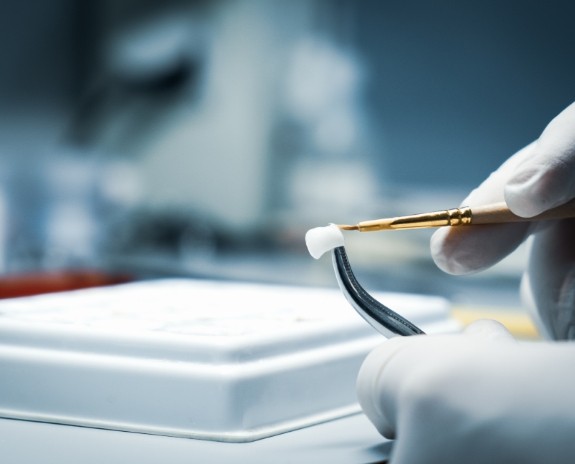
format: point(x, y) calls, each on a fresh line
point(495, 213)
point(498, 213)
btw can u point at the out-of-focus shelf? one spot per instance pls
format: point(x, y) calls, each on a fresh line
point(41, 282)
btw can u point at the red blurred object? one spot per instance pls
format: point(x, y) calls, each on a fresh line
point(37, 283)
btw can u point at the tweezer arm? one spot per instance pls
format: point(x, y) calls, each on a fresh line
point(383, 319)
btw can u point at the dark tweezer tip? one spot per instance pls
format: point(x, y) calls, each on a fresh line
point(383, 319)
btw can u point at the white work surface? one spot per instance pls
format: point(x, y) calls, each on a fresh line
point(351, 440)
point(182, 370)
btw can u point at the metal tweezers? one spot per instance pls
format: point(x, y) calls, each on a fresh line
point(383, 319)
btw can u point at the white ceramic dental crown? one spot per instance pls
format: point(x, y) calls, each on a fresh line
point(322, 239)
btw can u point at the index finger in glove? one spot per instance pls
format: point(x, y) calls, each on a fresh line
point(546, 178)
point(463, 250)
point(537, 178)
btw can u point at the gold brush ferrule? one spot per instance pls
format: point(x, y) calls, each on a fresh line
point(450, 217)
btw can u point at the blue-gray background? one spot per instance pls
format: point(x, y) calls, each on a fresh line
point(174, 159)
point(465, 84)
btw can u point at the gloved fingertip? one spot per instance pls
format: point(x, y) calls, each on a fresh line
point(539, 187)
point(523, 193)
point(369, 396)
point(369, 388)
point(445, 254)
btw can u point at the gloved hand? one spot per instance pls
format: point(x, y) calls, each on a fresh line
point(537, 178)
point(468, 399)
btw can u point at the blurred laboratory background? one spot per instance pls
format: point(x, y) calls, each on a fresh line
point(203, 138)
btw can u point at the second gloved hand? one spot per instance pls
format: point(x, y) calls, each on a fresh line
point(472, 398)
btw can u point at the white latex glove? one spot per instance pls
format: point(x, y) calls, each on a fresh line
point(464, 399)
point(537, 178)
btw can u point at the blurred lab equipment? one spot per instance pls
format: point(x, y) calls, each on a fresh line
point(204, 138)
point(200, 127)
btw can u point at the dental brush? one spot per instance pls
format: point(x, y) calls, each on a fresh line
point(495, 213)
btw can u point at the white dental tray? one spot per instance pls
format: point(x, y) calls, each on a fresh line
point(191, 358)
